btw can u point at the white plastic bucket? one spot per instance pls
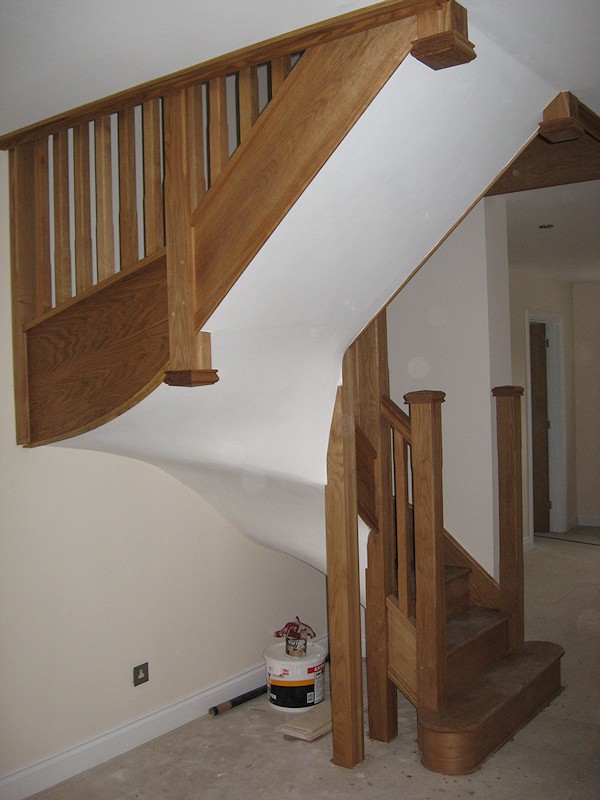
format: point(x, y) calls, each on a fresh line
point(295, 684)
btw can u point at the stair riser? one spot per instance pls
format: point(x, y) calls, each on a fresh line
point(457, 596)
point(457, 753)
point(465, 662)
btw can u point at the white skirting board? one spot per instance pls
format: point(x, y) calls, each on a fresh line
point(54, 769)
point(589, 522)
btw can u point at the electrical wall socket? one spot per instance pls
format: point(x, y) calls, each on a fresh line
point(140, 674)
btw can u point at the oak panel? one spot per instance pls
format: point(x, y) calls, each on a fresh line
point(98, 356)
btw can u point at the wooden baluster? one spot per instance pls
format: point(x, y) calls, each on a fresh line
point(370, 377)
point(105, 234)
point(43, 267)
point(154, 225)
point(195, 145)
point(83, 227)
point(62, 235)
point(426, 432)
point(406, 596)
point(218, 131)
point(248, 100)
point(189, 362)
point(510, 507)
point(280, 69)
point(128, 216)
point(23, 273)
point(343, 595)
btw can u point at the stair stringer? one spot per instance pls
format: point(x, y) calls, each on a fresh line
point(421, 155)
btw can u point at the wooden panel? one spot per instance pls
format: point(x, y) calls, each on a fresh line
point(542, 164)
point(83, 224)
point(366, 367)
point(218, 130)
point(426, 428)
point(539, 428)
point(343, 585)
point(99, 355)
point(336, 81)
point(62, 236)
point(402, 659)
point(248, 100)
point(43, 283)
point(280, 69)
point(154, 222)
point(128, 216)
point(105, 234)
point(510, 508)
point(22, 249)
point(289, 43)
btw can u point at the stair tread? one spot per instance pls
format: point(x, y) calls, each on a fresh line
point(471, 624)
point(451, 572)
point(493, 688)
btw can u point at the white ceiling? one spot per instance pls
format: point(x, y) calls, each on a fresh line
point(570, 250)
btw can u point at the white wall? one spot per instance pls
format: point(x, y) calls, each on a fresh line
point(449, 330)
point(586, 340)
point(107, 562)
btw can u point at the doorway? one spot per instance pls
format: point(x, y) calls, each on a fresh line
point(547, 451)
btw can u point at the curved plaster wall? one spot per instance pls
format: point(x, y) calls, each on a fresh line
point(255, 444)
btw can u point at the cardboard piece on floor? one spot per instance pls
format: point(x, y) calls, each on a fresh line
point(310, 725)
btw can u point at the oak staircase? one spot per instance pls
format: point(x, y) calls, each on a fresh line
point(133, 217)
point(438, 627)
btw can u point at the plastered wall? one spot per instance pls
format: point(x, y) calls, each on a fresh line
point(107, 562)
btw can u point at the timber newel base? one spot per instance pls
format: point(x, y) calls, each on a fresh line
point(191, 377)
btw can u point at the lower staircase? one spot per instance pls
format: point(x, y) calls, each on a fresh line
point(439, 628)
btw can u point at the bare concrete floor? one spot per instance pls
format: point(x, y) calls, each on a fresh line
point(239, 755)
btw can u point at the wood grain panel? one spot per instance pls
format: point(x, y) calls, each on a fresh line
point(105, 234)
point(62, 236)
point(402, 666)
point(343, 596)
point(321, 32)
point(320, 101)
point(99, 356)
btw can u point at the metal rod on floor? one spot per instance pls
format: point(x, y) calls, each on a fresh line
point(236, 701)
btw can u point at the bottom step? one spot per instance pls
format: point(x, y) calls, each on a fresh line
point(476, 721)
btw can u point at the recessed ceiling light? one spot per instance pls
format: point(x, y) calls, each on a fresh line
point(545, 227)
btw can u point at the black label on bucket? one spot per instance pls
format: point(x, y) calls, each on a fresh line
point(297, 694)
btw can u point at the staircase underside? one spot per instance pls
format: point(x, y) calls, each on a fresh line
point(425, 150)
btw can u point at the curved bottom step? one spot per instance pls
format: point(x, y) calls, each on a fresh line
point(476, 721)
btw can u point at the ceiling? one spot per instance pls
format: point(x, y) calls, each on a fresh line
point(570, 249)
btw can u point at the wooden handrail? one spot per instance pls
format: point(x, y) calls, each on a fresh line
point(277, 47)
point(396, 418)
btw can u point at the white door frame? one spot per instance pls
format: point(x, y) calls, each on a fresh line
point(557, 435)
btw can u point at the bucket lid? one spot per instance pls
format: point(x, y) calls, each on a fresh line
point(313, 651)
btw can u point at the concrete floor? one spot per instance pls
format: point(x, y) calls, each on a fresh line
point(239, 754)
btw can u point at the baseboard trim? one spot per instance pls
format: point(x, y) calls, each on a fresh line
point(49, 771)
point(589, 522)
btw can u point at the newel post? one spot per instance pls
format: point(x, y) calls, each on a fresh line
point(189, 350)
point(510, 507)
point(426, 430)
